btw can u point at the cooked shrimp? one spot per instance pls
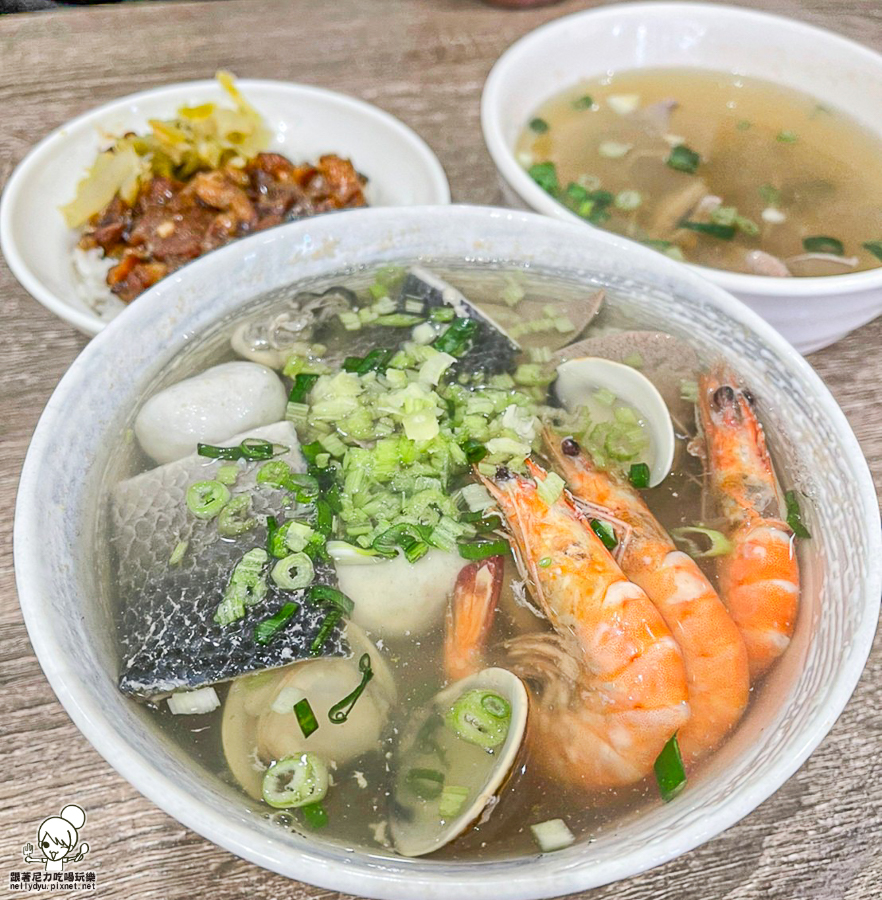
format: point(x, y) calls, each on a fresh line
point(759, 577)
point(470, 616)
point(613, 683)
point(713, 650)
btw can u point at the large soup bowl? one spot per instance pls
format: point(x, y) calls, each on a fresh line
point(61, 559)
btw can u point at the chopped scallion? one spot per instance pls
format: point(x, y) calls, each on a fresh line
point(266, 630)
point(339, 712)
point(822, 243)
point(874, 247)
point(712, 229)
point(540, 126)
point(669, 770)
point(314, 816)
point(683, 159)
point(545, 175)
point(305, 717)
point(477, 550)
point(720, 545)
point(794, 515)
point(638, 475)
point(605, 532)
point(234, 518)
point(205, 499)
point(303, 384)
point(329, 623)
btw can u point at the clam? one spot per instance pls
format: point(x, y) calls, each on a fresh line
point(578, 380)
point(668, 362)
point(271, 337)
point(259, 724)
point(455, 758)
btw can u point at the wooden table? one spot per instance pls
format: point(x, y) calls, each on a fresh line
point(818, 838)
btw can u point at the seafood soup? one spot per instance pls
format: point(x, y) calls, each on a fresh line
point(713, 168)
point(468, 566)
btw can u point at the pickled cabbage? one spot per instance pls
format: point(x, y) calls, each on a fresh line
point(200, 138)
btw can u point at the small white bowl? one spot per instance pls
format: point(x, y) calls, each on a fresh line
point(810, 312)
point(59, 560)
point(304, 121)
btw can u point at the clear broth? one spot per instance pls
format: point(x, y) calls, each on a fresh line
point(795, 168)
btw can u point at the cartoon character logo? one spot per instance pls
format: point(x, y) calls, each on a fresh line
point(57, 838)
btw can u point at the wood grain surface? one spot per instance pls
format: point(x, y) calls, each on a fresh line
point(818, 838)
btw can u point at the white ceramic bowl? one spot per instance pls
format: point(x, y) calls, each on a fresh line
point(58, 559)
point(809, 312)
point(304, 121)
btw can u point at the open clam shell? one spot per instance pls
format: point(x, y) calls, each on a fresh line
point(443, 782)
point(578, 380)
point(259, 724)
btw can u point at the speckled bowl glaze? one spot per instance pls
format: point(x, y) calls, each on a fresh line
point(59, 558)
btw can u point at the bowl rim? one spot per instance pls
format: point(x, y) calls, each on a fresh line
point(536, 876)
point(508, 167)
point(19, 181)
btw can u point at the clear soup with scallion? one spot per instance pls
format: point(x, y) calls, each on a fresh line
point(461, 564)
point(716, 169)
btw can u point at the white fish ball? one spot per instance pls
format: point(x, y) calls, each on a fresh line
point(211, 407)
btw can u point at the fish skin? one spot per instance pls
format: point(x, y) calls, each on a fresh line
point(166, 631)
point(493, 350)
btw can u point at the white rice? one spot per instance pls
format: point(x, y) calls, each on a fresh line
point(90, 269)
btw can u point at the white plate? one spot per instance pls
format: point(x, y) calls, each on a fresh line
point(305, 122)
point(809, 312)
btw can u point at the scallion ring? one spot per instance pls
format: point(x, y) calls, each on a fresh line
point(295, 781)
point(205, 499)
point(293, 572)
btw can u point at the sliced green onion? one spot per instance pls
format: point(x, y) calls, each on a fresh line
point(323, 595)
point(205, 499)
point(550, 489)
point(339, 712)
point(605, 532)
point(451, 800)
point(324, 518)
point(473, 721)
point(720, 545)
point(552, 835)
point(400, 320)
point(712, 229)
point(293, 572)
point(412, 539)
point(874, 247)
point(638, 475)
point(329, 623)
point(303, 384)
point(295, 781)
point(683, 159)
point(540, 126)
point(822, 243)
point(794, 516)
point(234, 519)
point(442, 314)
point(427, 784)
point(345, 554)
point(545, 175)
point(247, 586)
point(274, 547)
point(258, 448)
point(585, 102)
point(275, 473)
point(477, 550)
point(545, 562)
point(614, 149)
point(305, 717)
point(743, 125)
point(628, 200)
point(474, 450)
point(314, 816)
point(669, 770)
point(375, 361)
point(787, 137)
point(458, 337)
point(266, 630)
point(177, 555)
point(214, 452)
point(227, 474)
